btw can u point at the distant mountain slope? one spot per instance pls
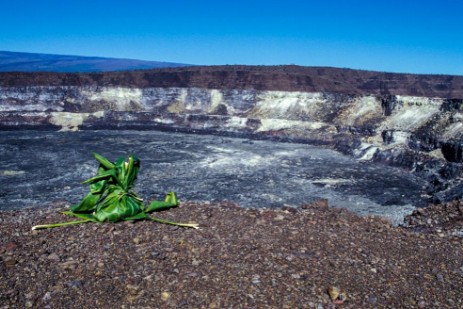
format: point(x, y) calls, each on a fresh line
point(31, 62)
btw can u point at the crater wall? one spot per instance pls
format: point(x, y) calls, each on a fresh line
point(423, 134)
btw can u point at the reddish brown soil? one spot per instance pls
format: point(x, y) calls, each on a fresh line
point(238, 259)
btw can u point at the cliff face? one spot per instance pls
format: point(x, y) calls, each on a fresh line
point(423, 133)
point(279, 78)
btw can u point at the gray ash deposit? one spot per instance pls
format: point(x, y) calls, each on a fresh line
point(43, 167)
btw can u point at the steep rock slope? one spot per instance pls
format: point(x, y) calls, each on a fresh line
point(413, 121)
point(282, 78)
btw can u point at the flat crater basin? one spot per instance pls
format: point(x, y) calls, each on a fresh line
point(39, 167)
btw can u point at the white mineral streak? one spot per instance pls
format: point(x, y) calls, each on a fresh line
point(454, 130)
point(163, 120)
point(271, 124)
point(225, 158)
point(411, 113)
point(11, 172)
point(182, 98)
point(236, 122)
point(197, 100)
point(71, 121)
point(401, 137)
point(332, 181)
point(360, 110)
point(365, 152)
point(437, 154)
point(216, 100)
point(288, 105)
point(236, 159)
point(120, 99)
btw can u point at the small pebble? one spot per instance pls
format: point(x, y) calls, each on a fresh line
point(255, 280)
point(46, 297)
point(421, 304)
point(372, 300)
point(9, 261)
point(75, 284)
point(132, 289)
point(53, 257)
point(165, 296)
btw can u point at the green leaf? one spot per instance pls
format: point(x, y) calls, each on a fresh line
point(133, 204)
point(98, 187)
point(132, 171)
point(110, 212)
point(106, 175)
point(109, 200)
point(171, 197)
point(139, 216)
point(117, 207)
point(120, 161)
point(103, 161)
point(169, 202)
point(89, 217)
point(159, 206)
point(87, 204)
point(121, 176)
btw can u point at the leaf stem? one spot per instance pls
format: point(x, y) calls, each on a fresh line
point(47, 226)
point(192, 225)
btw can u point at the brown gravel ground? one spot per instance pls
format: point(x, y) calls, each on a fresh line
point(239, 258)
point(442, 218)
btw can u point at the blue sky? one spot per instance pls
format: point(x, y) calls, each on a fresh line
point(395, 36)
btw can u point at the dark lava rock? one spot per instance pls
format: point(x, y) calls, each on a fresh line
point(388, 103)
point(452, 105)
point(453, 151)
point(447, 193)
point(424, 139)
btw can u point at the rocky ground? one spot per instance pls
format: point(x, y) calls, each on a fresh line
point(309, 257)
point(442, 219)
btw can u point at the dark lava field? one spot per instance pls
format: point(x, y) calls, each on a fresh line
point(43, 167)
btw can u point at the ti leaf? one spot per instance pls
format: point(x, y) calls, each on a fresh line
point(103, 161)
point(111, 199)
point(87, 204)
point(169, 202)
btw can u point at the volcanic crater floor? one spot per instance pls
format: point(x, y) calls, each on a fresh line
point(39, 167)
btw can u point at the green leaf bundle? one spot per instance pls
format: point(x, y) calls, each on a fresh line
point(111, 198)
